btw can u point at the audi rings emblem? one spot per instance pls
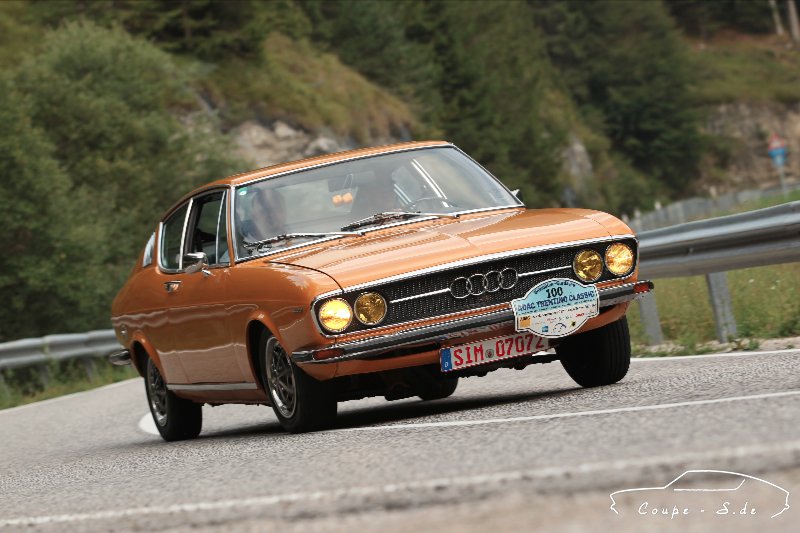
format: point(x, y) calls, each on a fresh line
point(477, 284)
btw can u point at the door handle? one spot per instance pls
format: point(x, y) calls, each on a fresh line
point(172, 286)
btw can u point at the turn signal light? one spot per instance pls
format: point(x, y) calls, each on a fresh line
point(327, 353)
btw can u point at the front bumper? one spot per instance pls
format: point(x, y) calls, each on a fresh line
point(120, 358)
point(436, 333)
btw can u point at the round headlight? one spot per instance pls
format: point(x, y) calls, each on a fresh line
point(335, 315)
point(370, 308)
point(588, 265)
point(619, 259)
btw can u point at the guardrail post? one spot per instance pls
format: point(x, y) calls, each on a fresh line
point(44, 375)
point(721, 305)
point(652, 324)
point(4, 392)
point(89, 366)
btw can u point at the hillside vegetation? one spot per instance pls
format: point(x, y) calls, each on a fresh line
point(110, 110)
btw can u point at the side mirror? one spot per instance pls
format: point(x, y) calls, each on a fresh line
point(518, 194)
point(196, 262)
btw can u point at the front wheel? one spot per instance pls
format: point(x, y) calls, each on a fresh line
point(598, 357)
point(438, 389)
point(300, 402)
point(175, 418)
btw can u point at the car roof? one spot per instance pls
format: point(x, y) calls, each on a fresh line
point(280, 168)
point(325, 159)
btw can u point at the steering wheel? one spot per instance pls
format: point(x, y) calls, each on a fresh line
point(413, 205)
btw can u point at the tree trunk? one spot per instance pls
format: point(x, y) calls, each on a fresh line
point(793, 24)
point(776, 17)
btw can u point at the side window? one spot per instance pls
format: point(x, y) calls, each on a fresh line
point(208, 232)
point(172, 239)
point(147, 256)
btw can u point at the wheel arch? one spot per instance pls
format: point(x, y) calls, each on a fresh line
point(139, 355)
point(255, 330)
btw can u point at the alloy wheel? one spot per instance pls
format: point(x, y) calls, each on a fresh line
point(280, 378)
point(157, 390)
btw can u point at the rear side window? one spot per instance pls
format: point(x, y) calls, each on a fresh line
point(172, 239)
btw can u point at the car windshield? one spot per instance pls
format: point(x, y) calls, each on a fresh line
point(326, 199)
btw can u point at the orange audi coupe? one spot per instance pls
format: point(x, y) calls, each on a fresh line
point(388, 271)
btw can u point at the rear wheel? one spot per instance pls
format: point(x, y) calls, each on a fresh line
point(598, 357)
point(300, 402)
point(175, 418)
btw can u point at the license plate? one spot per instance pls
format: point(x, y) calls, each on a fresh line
point(491, 350)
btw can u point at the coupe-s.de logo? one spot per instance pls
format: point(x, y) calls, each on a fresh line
point(478, 284)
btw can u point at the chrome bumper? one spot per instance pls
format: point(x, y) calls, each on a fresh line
point(374, 346)
point(120, 358)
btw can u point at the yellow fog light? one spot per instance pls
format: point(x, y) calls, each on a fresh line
point(588, 265)
point(335, 315)
point(370, 308)
point(619, 259)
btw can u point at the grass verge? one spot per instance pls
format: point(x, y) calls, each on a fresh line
point(26, 385)
point(767, 201)
point(766, 304)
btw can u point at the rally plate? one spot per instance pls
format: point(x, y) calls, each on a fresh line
point(491, 351)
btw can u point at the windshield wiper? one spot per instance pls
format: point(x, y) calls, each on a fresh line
point(386, 216)
point(255, 246)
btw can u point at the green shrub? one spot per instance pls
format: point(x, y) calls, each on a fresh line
point(99, 133)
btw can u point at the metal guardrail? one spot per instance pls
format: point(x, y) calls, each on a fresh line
point(712, 247)
point(756, 238)
point(30, 352)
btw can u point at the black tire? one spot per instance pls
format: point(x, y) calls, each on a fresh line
point(598, 357)
point(438, 389)
point(175, 418)
point(300, 402)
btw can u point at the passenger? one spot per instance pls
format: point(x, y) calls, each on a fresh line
point(267, 218)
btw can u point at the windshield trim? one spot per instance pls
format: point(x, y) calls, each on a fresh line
point(234, 188)
point(376, 228)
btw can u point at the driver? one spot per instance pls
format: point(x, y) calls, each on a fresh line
point(375, 196)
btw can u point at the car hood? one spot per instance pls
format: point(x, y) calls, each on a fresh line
point(406, 248)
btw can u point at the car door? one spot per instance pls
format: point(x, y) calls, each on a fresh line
point(159, 283)
point(198, 307)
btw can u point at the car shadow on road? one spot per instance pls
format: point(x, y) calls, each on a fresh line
point(404, 411)
point(400, 411)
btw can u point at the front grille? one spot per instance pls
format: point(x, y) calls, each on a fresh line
point(416, 308)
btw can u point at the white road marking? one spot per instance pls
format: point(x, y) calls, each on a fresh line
point(711, 355)
point(148, 425)
point(459, 423)
point(635, 359)
point(724, 454)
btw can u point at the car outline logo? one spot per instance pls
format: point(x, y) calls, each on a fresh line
point(746, 476)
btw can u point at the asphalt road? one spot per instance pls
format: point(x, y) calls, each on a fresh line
point(515, 450)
